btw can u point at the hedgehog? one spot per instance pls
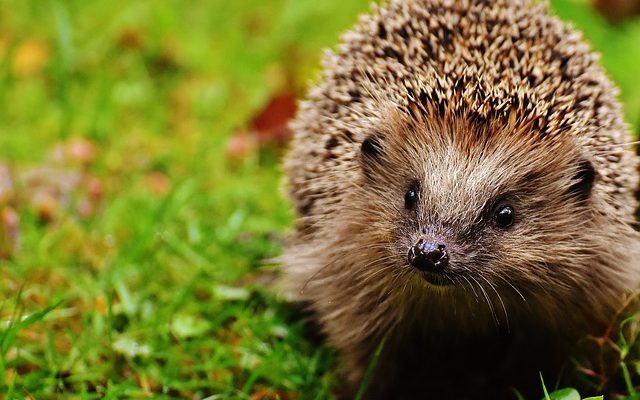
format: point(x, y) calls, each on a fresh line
point(464, 191)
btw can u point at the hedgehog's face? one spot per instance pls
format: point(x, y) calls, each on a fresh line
point(479, 206)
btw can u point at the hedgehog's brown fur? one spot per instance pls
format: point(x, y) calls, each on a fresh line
point(475, 101)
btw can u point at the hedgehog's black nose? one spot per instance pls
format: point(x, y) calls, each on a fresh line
point(428, 256)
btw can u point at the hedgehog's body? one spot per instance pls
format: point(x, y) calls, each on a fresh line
point(461, 176)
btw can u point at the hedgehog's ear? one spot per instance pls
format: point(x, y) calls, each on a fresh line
point(371, 152)
point(372, 146)
point(583, 180)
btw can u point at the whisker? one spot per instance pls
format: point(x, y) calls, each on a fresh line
point(504, 308)
point(505, 280)
point(610, 145)
point(475, 294)
point(488, 302)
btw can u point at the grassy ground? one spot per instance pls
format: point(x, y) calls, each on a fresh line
point(134, 214)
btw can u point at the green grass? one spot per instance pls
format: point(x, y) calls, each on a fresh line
point(138, 266)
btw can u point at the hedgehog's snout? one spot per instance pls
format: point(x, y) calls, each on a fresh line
point(428, 256)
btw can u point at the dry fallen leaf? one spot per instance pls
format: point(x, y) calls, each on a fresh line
point(270, 124)
point(269, 127)
point(617, 10)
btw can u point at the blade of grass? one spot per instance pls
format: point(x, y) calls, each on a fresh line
point(544, 388)
point(368, 375)
point(13, 329)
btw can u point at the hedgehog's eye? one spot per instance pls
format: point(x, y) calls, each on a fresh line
point(411, 197)
point(504, 216)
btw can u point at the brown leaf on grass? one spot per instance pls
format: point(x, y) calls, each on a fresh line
point(269, 127)
point(30, 58)
point(270, 124)
point(617, 10)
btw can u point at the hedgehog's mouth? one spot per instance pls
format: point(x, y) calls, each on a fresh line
point(437, 279)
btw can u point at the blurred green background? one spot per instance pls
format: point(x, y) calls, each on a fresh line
point(140, 191)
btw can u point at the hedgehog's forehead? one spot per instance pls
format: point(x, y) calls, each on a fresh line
point(471, 137)
point(477, 159)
